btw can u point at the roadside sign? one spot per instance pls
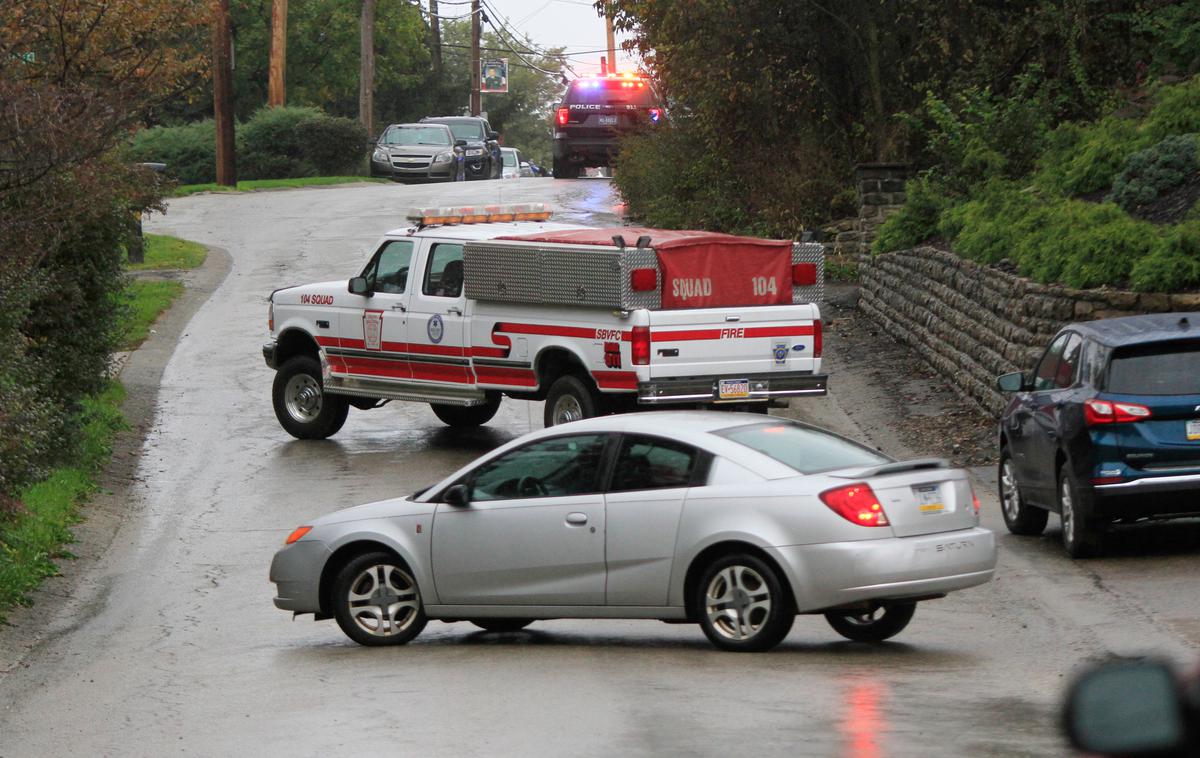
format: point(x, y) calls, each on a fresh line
point(495, 75)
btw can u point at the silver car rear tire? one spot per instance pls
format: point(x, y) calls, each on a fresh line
point(742, 604)
point(376, 601)
point(876, 625)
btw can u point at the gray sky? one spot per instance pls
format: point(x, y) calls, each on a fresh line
point(567, 23)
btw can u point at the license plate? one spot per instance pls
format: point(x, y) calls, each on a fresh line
point(1193, 429)
point(731, 389)
point(474, 152)
point(608, 121)
point(929, 499)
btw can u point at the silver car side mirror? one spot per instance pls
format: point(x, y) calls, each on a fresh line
point(457, 495)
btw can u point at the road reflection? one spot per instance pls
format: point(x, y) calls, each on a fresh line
point(863, 724)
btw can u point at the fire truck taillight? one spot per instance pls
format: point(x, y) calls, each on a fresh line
point(561, 116)
point(817, 338)
point(643, 279)
point(804, 274)
point(271, 318)
point(640, 347)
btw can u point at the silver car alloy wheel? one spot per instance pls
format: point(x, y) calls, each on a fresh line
point(567, 409)
point(383, 600)
point(1009, 492)
point(737, 602)
point(1068, 511)
point(302, 398)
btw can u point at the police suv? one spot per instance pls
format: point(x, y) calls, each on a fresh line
point(473, 304)
point(592, 115)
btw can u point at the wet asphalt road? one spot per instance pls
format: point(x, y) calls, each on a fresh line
point(182, 652)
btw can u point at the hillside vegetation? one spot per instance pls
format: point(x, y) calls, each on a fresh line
point(1112, 201)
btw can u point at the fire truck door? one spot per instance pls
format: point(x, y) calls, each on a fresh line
point(372, 328)
point(436, 326)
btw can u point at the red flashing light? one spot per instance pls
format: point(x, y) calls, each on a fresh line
point(655, 114)
point(562, 116)
point(857, 504)
point(643, 279)
point(1097, 412)
point(640, 346)
point(804, 274)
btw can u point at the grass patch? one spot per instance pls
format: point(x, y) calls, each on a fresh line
point(32, 539)
point(162, 251)
point(260, 184)
point(146, 300)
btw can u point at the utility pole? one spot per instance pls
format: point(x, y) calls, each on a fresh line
point(612, 48)
point(435, 38)
point(476, 101)
point(223, 94)
point(276, 92)
point(366, 74)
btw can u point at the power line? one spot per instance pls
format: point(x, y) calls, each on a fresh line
point(533, 48)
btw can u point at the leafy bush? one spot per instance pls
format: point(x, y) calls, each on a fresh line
point(1074, 242)
point(189, 151)
point(918, 220)
point(1085, 158)
point(285, 143)
point(1177, 111)
point(1150, 172)
point(1173, 264)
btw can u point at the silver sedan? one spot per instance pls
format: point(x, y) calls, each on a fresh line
point(737, 522)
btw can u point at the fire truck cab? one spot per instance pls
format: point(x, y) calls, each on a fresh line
point(470, 305)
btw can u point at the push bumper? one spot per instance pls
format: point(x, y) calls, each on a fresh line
point(296, 573)
point(269, 355)
point(706, 389)
point(891, 569)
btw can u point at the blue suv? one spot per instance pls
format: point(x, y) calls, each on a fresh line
point(1106, 428)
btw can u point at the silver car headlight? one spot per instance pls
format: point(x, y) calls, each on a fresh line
point(443, 157)
point(380, 155)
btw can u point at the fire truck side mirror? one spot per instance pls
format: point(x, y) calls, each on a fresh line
point(358, 286)
point(456, 495)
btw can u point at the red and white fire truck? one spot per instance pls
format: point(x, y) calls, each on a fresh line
point(473, 304)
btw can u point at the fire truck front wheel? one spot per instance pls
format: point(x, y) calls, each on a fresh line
point(301, 405)
point(569, 399)
point(458, 416)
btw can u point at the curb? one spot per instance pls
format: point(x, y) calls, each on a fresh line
point(78, 589)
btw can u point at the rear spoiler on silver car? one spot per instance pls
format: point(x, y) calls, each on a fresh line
point(895, 467)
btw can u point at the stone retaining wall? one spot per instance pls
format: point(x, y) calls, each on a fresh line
point(972, 323)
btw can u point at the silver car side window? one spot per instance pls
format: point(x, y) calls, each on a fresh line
point(650, 463)
point(555, 467)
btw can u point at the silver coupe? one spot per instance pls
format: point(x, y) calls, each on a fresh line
point(737, 522)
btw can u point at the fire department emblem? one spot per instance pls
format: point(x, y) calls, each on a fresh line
point(435, 328)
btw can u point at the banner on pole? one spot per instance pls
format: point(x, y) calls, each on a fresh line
point(495, 75)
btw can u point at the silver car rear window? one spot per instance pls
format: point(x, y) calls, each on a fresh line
point(807, 450)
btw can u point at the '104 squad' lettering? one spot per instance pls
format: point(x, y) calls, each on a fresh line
point(316, 299)
point(684, 289)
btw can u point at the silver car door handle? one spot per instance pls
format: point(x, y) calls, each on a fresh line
point(576, 519)
point(455, 311)
point(399, 307)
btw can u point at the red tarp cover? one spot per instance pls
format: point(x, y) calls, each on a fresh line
point(701, 269)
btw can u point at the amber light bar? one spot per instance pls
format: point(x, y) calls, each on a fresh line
point(485, 214)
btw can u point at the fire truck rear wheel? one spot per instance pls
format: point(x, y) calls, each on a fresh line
point(569, 399)
point(459, 416)
point(301, 405)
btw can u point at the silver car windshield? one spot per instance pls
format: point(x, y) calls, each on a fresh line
point(807, 450)
point(416, 135)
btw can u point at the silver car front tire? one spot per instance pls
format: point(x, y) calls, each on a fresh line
point(377, 602)
point(742, 604)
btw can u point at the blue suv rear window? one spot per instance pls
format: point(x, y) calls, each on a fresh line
point(1161, 368)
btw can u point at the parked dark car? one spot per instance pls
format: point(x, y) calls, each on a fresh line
point(1106, 428)
point(482, 147)
point(418, 152)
